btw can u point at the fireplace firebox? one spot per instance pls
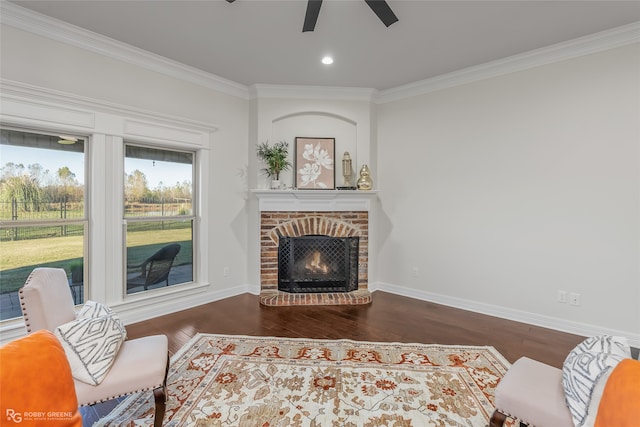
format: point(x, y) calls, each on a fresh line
point(317, 263)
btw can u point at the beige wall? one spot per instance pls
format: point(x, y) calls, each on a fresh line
point(504, 191)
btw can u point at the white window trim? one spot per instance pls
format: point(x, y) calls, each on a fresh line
point(106, 127)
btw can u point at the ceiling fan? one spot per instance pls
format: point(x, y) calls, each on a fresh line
point(379, 7)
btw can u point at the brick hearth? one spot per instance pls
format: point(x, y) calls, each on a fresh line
point(274, 224)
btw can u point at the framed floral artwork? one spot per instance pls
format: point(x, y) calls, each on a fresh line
point(314, 160)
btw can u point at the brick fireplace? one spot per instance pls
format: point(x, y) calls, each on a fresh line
point(306, 213)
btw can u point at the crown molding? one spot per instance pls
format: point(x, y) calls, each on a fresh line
point(22, 92)
point(604, 40)
point(27, 20)
point(312, 92)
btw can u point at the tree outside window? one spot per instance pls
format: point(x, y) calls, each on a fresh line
point(159, 213)
point(42, 211)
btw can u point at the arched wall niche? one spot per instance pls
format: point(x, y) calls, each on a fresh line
point(315, 113)
point(317, 124)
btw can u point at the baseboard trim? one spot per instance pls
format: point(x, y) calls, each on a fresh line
point(563, 325)
point(144, 310)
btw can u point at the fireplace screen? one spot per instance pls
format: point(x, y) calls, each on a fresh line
point(316, 263)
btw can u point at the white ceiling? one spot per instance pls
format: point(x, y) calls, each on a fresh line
point(261, 41)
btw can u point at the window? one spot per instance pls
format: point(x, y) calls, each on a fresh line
point(159, 217)
point(43, 220)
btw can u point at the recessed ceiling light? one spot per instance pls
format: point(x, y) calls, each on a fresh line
point(327, 60)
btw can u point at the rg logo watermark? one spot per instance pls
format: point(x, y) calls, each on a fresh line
point(14, 416)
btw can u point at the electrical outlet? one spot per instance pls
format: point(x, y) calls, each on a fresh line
point(225, 271)
point(416, 271)
point(562, 297)
point(574, 299)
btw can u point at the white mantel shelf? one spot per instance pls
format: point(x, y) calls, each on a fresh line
point(315, 200)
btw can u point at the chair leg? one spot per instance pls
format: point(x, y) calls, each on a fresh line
point(160, 396)
point(497, 419)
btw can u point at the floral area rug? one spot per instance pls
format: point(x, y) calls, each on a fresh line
point(223, 380)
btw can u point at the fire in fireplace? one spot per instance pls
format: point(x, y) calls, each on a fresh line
point(317, 263)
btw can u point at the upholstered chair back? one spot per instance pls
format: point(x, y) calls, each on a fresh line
point(140, 364)
point(48, 297)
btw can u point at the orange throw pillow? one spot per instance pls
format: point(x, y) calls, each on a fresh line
point(620, 403)
point(36, 386)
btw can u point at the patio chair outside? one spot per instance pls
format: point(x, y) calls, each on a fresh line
point(156, 268)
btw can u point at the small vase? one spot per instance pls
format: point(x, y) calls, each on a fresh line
point(365, 182)
point(275, 184)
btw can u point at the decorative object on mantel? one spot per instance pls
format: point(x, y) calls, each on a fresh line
point(276, 158)
point(365, 182)
point(347, 172)
point(314, 163)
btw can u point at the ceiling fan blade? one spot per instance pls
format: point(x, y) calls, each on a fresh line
point(230, 1)
point(384, 12)
point(310, 18)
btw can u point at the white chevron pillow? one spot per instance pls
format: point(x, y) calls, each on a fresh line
point(91, 345)
point(93, 309)
point(584, 366)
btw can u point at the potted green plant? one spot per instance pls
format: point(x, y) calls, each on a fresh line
point(276, 157)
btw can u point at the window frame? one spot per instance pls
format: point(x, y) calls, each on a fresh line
point(84, 221)
point(194, 217)
point(106, 125)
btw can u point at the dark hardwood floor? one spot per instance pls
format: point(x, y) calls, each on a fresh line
point(389, 318)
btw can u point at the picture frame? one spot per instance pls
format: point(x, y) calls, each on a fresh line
point(315, 163)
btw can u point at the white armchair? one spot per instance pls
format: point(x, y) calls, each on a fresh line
point(141, 364)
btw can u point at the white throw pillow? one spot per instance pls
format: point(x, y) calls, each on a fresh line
point(93, 309)
point(91, 345)
point(584, 366)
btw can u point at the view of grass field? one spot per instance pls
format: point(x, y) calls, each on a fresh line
point(20, 257)
point(44, 220)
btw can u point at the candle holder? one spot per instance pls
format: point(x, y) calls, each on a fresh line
point(347, 172)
